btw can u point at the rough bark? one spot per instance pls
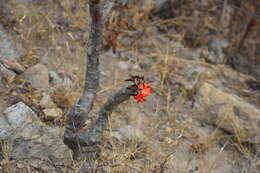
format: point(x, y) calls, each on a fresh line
point(74, 136)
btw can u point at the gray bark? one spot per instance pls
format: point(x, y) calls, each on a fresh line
point(74, 136)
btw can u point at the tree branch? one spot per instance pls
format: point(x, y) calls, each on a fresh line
point(79, 113)
point(94, 135)
point(76, 118)
point(74, 136)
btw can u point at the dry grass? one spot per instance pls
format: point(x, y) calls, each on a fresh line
point(5, 160)
point(55, 34)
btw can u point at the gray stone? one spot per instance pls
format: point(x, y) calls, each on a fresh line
point(37, 75)
point(63, 80)
point(19, 115)
point(5, 74)
point(54, 78)
point(7, 48)
point(216, 51)
point(52, 113)
point(129, 132)
point(46, 102)
point(30, 138)
point(14, 119)
point(228, 112)
point(245, 63)
point(217, 45)
point(184, 160)
point(13, 65)
point(5, 129)
point(123, 65)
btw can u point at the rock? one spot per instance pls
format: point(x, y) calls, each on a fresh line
point(158, 3)
point(216, 51)
point(54, 78)
point(228, 112)
point(5, 129)
point(7, 47)
point(214, 59)
point(30, 138)
point(215, 161)
point(217, 45)
point(46, 102)
point(245, 63)
point(6, 75)
point(37, 75)
point(123, 2)
point(52, 113)
point(63, 80)
point(19, 115)
point(166, 8)
point(123, 65)
point(199, 141)
point(14, 119)
point(128, 133)
point(13, 65)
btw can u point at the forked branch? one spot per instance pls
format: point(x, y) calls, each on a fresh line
point(74, 136)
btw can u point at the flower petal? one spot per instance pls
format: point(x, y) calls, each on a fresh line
point(140, 98)
point(145, 89)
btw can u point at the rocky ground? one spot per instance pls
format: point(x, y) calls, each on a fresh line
point(202, 117)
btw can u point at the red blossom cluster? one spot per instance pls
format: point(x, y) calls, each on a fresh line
point(145, 90)
point(142, 87)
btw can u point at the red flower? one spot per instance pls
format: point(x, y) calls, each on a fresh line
point(139, 98)
point(145, 91)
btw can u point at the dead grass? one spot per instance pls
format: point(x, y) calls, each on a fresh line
point(5, 160)
point(54, 34)
point(122, 156)
point(51, 34)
